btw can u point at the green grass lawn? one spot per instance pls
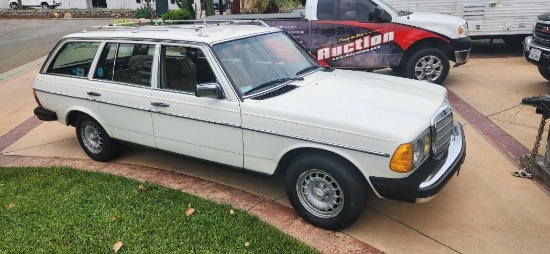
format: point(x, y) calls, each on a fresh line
point(63, 210)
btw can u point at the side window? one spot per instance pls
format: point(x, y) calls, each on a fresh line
point(360, 10)
point(75, 58)
point(183, 67)
point(126, 62)
point(324, 9)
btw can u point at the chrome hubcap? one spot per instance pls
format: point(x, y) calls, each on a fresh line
point(428, 68)
point(320, 194)
point(91, 137)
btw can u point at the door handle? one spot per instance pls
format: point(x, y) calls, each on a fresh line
point(93, 94)
point(160, 104)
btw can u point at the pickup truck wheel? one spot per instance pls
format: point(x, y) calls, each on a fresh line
point(326, 191)
point(44, 6)
point(94, 140)
point(428, 64)
point(13, 6)
point(545, 73)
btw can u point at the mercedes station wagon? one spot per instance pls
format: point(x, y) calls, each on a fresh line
point(250, 97)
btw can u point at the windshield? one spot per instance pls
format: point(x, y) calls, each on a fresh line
point(257, 63)
point(387, 6)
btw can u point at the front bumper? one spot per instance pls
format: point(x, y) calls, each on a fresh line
point(462, 48)
point(425, 182)
point(544, 60)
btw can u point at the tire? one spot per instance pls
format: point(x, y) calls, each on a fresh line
point(307, 181)
point(44, 6)
point(545, 73)
point(94, 140)
point(427, 64)
point(13, 6)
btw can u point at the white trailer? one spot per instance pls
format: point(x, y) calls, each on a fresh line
point(510, 20)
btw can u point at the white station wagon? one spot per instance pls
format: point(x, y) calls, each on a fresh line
point(250, 97)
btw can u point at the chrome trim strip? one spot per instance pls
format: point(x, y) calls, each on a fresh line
point(94, 100)
point(196, 119)
point(529, 43)
point(322, 142)
point(453, 152)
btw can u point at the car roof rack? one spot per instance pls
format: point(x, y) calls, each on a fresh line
point(164, 25)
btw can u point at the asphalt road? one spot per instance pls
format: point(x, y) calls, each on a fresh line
point(25, 40)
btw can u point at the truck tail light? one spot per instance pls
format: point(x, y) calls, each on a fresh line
point(36, 98)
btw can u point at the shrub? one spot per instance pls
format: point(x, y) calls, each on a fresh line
point(187, 5)
point(123, 22)
point(143, 12)
point(209, 7)
point(181, 14)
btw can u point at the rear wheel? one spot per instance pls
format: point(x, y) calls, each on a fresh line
point(427, 64)
point(94, 140)
point(326, 190)
point(44, 6)
point(13, 6)
point(545, 73)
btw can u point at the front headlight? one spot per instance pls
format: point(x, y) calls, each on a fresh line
point(463, 30)
point(409, 156)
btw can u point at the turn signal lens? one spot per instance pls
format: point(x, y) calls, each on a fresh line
point(402, 159)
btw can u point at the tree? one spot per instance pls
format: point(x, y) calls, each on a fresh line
point(236, 7)
point(209, 7)
point(188, 6)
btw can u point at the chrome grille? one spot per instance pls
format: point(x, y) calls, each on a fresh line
point(542, 32)
point(442, 126)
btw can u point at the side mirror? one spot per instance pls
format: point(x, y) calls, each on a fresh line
point(209, 90)
point(381, 15)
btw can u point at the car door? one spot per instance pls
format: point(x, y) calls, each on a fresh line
point(121, 87)
point(205, 128)
point(358, 38)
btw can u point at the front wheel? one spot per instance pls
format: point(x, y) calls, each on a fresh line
point(545, 73)
point(326, 190)
point(94, 140)
point(427, 64)
point(44, 6)
point(13, 6)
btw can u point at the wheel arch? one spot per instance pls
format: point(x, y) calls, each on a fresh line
point(440, 44)
point(73, 114)
point(294, 153)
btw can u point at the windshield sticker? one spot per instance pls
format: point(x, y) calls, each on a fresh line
point(245, 89)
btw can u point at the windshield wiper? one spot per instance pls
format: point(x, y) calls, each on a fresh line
point(404, 13)
point(309, 68)
point(270, 83)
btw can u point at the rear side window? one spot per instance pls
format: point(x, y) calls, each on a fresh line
point(126, 62)
point(75, 58)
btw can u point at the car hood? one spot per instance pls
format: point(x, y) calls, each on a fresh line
point(446, 25)
point(358, 103)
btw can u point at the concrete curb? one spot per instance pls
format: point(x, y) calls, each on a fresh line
point(21, 69)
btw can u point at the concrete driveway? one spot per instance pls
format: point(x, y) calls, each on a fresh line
point(484, 210)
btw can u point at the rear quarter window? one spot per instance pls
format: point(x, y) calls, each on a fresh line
point(74, 58)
